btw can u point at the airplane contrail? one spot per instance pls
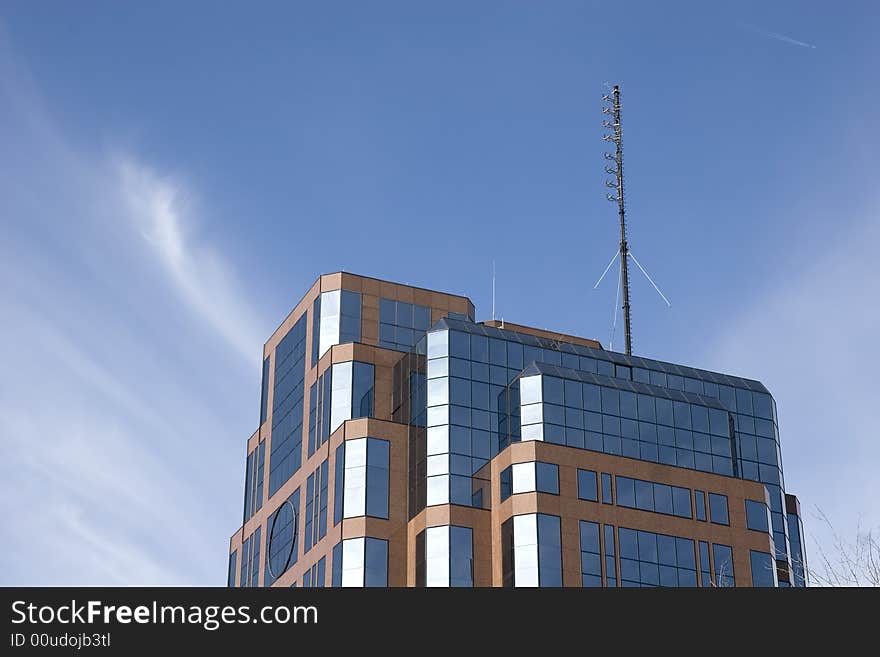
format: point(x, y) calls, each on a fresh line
point(775, 35)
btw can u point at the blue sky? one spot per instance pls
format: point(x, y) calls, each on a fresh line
point(174, 176)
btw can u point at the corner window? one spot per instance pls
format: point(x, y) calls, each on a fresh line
point(340, 322)
point(757, 516)
point(365, 487)
point(763, 568)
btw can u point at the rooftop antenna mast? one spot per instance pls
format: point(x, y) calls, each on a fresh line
point(493, 290)
point(612, 110)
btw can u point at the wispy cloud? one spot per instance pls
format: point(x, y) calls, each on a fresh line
point(161, 209)
point(774, 35)
point(125, 363)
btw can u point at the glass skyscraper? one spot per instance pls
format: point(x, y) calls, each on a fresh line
point(417, 447)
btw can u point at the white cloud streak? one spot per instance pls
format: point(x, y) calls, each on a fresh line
point(774, 35)
point(120, 453)
point(159, 207)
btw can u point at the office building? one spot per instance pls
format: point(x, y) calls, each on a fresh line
point(402, 443)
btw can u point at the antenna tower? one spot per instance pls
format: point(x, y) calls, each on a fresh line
point(612, 110)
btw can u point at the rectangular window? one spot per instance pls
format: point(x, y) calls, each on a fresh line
point(610, 563)
point(375, 562)
point(316, 329)
point(506, 482)
point(378, 457)
point(401, 324)
point(448, 558)
point(340, 319)
point(365, 478)
point(718, 509)
point(255, 559)
point(230, 578)
point(253, 485)
point(337, 565)
point(264, 392)
point(287, 406)
point(763, 568)
point(314, 576)
point(650, 496)
point(723, 555)
point(536, 555)
point(529, 477)
point(648, 559)
point(591, 563)
point(705, 567)
point(607, 497)
point(547, 477)
point(549, 550)
point(338, 481)
point(700, 504)
point(364, 562)
point(587, 485)
point(351, 392)
point(245, 562)
point(757, 516)
point(316, 506)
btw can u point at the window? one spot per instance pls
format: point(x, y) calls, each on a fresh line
point(316, 329)
point(649, 496)
point(535, 546)
point(316, 506)
point(763, 568)
point(351, 392)
point(681, 502)
point(723, 555)
point(574, 412)
point(649, 559)
point(705, 567)
point(314, 576)
point(448, 556)
point(606, 489)
point(287, 406)
point(757, 516)
point(365, 478)
point(591, 562)
point(230, 578)
point(587, 485)
point(340, 322)
point(547, 478)
point(378, 479)
point(798, 563)
point(338, 483)
point(364, 562)
point(718, 509)
point(336, 577)
point(282, 531)
point(401, 324)
point(253, 481)
point(530, 477)
point(506, 483)
point(610, 563)
point(250, 560)
point(264, 392)
point(319, 411)
point(700, 504)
